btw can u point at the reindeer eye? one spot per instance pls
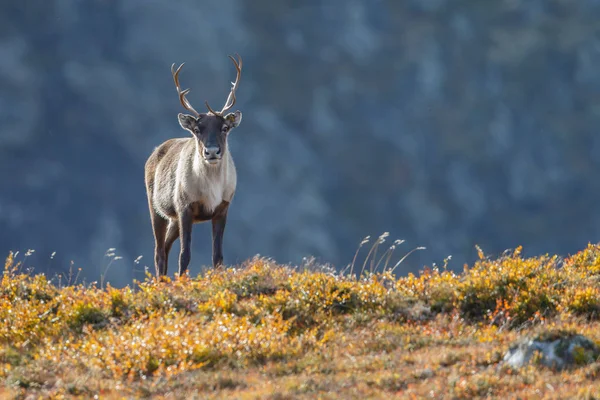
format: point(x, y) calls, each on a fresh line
point(224, 129)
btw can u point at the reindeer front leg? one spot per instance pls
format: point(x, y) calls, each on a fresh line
point(218, 229)
point(185, 237)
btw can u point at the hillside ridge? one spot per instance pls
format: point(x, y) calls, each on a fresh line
point(263, 329)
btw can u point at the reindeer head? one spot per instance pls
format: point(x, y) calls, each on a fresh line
point(210, 129)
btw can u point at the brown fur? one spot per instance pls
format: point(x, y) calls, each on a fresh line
point(172, 204)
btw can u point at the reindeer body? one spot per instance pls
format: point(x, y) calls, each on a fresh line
point(192, 180)
point(177, 178)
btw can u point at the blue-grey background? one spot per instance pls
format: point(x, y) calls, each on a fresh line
point(446, 123)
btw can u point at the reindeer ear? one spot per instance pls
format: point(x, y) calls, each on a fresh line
point(234, 118)
point(186, 121)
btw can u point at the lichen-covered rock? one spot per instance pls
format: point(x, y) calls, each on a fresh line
point(553, 349)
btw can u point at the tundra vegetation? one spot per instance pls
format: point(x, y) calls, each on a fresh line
point(264, 330)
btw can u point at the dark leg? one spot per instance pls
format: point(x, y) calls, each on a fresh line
point(159, 226)
point(218, 228)
point(185, 237)
point(172, 234)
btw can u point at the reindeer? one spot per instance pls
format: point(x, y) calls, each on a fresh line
point(192, 180)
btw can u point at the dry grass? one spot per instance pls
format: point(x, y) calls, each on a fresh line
point(269, 331)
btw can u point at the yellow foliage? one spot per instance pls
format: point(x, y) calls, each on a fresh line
point(261, 312)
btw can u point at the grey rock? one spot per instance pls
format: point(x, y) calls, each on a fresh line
point(555, 350)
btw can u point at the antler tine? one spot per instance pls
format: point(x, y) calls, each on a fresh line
point(231, 98)
point(210, 109)
point(182, 93)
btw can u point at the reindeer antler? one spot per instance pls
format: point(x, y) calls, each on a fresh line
point(234, 85)
point(184, 101)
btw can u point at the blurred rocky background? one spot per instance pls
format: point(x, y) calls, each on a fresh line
point(446, 123)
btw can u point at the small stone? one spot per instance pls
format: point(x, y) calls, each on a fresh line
point(555, 349)
point(424, 373)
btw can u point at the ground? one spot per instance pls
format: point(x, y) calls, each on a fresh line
point(263, 330)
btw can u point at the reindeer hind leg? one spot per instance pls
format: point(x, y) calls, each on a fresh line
point(172, 235)
point(159, 226)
